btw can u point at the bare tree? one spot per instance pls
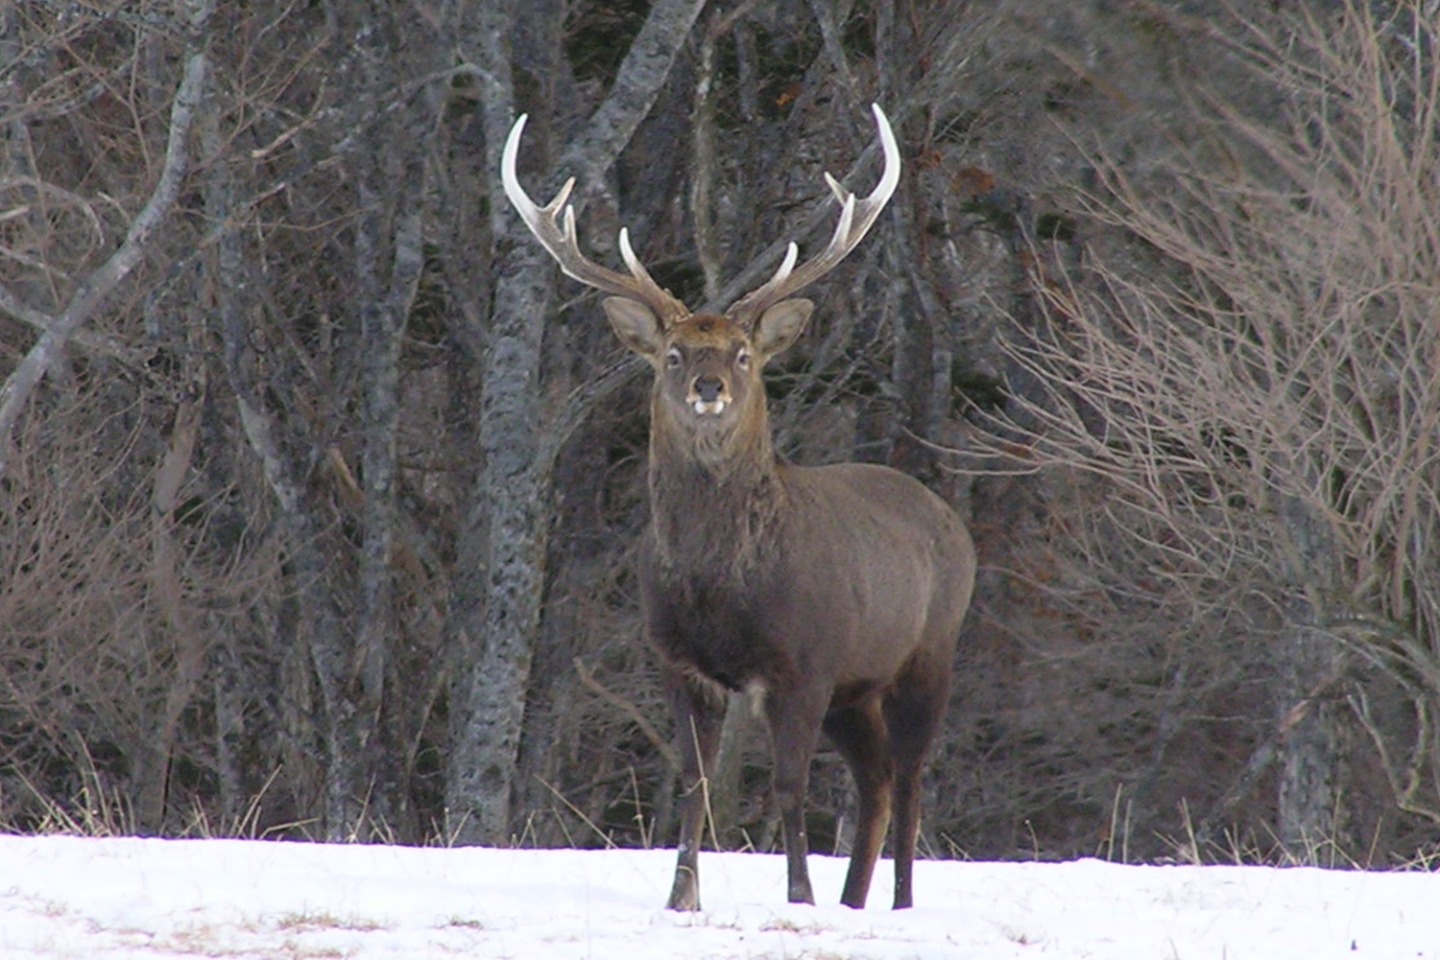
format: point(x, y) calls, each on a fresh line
point(339, 411)
point(496, 648)
point(1244, 363)
point(63, 284)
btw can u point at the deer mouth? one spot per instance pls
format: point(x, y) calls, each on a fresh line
point(708, 408)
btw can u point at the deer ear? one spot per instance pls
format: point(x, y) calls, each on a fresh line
point(636, 325)
point(779, 326)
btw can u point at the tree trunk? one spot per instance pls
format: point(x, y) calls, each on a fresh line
point(389, 258)
point(497, 641)
point(503, 546)
point(320, 627)
point(1311, 759)
point(494, 640)
point(1311, 660)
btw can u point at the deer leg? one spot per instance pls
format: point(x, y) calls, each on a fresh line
point(698, 709)
point(794, 730)
point(907, 834)
point(913, 713)
point(859, 734)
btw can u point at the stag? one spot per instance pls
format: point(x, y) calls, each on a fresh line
point(835, 593)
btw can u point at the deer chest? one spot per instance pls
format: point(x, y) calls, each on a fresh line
point(711, 628)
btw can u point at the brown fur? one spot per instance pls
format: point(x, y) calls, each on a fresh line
point(838, 591)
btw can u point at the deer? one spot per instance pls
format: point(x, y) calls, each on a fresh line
point(834, 595)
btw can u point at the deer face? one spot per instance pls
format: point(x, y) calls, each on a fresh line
point(707, 366)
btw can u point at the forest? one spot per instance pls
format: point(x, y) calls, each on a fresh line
point(321, 486)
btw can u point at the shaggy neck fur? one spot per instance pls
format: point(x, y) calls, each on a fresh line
point(714, 492)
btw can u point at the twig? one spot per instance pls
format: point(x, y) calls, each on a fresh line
point(661, 744)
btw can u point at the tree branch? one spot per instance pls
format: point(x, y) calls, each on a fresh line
point(637, 84)
point(101, 282)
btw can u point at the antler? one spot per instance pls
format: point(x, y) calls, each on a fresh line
point(560, 241)
point(856, 219)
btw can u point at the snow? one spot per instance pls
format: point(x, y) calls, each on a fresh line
point(108, 899)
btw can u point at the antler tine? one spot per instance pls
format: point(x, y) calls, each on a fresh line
point(857, 216)
point(558, 237)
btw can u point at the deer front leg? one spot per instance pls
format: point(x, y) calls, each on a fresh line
point(699, 710)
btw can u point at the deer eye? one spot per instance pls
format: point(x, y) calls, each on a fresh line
point(672, 357)
point(742, 359)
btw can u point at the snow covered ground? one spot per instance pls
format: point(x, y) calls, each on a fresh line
point(108, 899)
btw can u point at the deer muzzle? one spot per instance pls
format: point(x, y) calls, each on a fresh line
point(708, 396)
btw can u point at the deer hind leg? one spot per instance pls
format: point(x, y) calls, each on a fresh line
point(794, 720)
point(913, 713)
point(859, 734)
point(699, 710)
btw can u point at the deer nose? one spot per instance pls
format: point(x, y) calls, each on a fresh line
point(709, 388)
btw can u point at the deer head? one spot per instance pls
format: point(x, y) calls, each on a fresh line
point(707, 366)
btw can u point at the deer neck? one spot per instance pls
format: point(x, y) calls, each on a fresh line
point(714, 495)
